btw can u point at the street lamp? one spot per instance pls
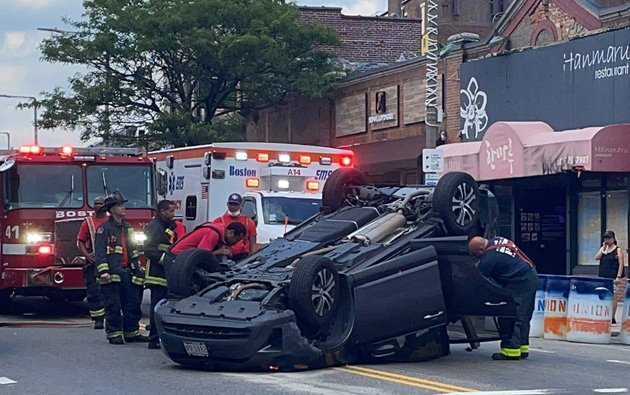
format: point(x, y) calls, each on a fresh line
point(35, 104)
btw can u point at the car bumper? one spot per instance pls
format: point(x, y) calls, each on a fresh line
point(269, 342)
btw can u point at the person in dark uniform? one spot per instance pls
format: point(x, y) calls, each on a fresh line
point(85, 242)
point(611, 265)
point(120, 275)
point(505, 264)
point(160, 236)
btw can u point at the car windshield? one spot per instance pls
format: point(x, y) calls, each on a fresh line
point(275, 209)
point(43, 186)
point(135, 183)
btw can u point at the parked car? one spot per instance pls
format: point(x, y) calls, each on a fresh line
point(376, 276)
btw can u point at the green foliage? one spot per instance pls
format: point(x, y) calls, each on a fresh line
point(182, 70)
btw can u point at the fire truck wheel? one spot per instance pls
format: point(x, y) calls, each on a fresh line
point(456, 200)
point(336, 189)
point(313, 293)
point(185, 277)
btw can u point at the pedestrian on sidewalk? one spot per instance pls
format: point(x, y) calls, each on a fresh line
point(611, 265)
point(505, 264)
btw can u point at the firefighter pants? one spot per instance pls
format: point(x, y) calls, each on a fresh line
point(515, 331)
point(122, 307)
point(94, 294)
point(158, 293)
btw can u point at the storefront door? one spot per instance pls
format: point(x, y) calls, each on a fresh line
point(541, 227)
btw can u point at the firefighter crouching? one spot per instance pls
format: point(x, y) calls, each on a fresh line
point(160, 236)
point(120, 275)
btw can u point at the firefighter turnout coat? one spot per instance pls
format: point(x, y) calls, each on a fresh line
point(160, 236)
point(109, 248)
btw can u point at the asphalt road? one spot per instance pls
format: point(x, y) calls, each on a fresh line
point(49, 349)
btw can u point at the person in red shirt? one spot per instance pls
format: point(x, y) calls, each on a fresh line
point(212, 237)
point(85, 243)
point(247, 246)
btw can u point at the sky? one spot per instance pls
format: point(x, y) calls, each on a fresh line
point(22, 73)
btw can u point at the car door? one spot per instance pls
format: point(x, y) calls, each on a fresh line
point(398, 296)
point(466, 291)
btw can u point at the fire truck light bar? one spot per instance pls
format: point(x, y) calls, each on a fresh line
point(30, 149)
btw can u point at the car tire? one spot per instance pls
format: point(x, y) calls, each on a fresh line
point(336, 187)
point(313, 293)
point(5, 300)
point(183, 277)
point(456, 199)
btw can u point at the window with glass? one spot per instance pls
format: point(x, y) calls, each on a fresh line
point(43, 186)
point(135, 183)
point(276, 209)
point(617, 216)
point(589, 227)
point(249, 209)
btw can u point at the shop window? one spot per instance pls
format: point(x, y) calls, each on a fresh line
point(589, 227)
point(191, 207)
point(617, 216)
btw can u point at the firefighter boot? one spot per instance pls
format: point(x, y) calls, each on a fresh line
point(497, 356)
point(99, 323)
point(138, 339)
point(116, 340)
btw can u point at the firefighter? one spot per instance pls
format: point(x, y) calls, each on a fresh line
point(504, 263)
point(85, 242)
point(120, 275)
point(247, 246)
point(209, 236)
point(161, 234)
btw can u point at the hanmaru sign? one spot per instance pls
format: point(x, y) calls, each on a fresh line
point(581, 83)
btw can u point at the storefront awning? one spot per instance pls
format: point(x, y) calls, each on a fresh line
point(525, 149)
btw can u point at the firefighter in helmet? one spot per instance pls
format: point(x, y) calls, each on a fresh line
point(120, 276)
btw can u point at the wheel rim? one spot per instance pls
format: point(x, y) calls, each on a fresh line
point(322, 292)
point(463, 211)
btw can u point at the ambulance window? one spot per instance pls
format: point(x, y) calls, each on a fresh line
point(249, 208)
point(191, 207)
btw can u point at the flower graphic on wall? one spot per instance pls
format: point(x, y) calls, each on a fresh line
point(473, 110)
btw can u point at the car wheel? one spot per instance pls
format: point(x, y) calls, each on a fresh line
point(5, 300)
point(313, 293)
point(336, 187)
point(184, 277)
point(456, 200)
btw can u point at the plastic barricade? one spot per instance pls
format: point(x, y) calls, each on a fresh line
point(624, 332)
point(590, 310)
point(556, 303)
point(537, 324)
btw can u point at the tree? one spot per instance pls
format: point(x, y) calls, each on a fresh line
point(184, 71)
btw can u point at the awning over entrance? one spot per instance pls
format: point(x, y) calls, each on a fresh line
point(524, 149)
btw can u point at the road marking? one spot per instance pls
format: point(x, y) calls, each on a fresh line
point(6, 380)
point(405, 380)
point(618, 361)
point(611, 390)
point(515, 392)
point(543, 351)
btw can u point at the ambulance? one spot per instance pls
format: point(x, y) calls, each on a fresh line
point(281, 184)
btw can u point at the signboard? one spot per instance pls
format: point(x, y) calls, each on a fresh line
point(424, 47)
point(431, 179)
point(581, 83)
point(432, 160)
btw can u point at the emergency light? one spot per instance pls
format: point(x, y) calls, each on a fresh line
point(30, 149)
point(346, 161)
point(252, 183)
point(283, 184)
point(45, 249)
point(305, 159)
point(325, 160)
point(240, 155)
point(284, 158)
point(312, 186)
point(66, 150)
point(263, 157)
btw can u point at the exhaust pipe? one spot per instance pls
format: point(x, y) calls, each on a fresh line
point(378, 229)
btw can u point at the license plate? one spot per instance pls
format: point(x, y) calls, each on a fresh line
point(196, 349)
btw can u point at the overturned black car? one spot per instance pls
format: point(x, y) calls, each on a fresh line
point(376, 276)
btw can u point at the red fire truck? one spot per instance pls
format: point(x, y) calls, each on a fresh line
point(46, 194)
